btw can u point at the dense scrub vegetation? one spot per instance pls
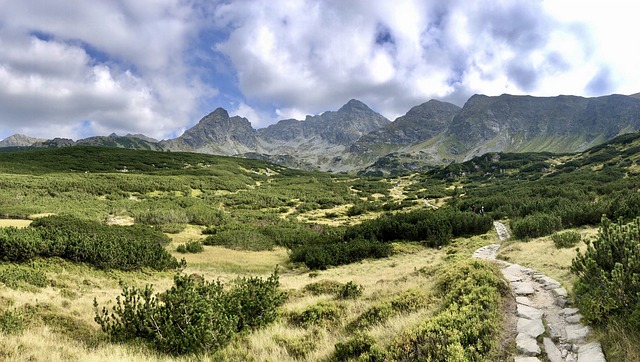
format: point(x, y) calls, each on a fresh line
point(105, 247)
point(371, 238)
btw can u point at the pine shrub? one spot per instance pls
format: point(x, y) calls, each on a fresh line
point(608, 285)
point(535, 225)
point(194, 316)
point(566, 239)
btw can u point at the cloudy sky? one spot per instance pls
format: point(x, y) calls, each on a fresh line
point(77, 68)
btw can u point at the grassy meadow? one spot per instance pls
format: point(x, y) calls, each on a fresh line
point(368, 269)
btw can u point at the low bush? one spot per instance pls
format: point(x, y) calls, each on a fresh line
point(376, 314)
point(535, 225)
point(103, 246)
point(17, 276)
point(320, 314)
point(299, 348)
point(323, 287)
point(353, 347)
point(350, 290)
point(608, 285)
point(11, 322)
point(322, 255)
point(566, 239)
point(193, 247)
point(193, 316)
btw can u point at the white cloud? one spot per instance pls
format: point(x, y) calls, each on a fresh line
point(310, 56)
point(97, 67)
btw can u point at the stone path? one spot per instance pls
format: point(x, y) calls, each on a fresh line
point(546, 324)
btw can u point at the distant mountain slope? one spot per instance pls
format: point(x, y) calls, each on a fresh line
point(129, 141)
point(525, 123)
point(357, 139)
point(19, 140)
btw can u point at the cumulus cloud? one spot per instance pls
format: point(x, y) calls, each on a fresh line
point(96, 67)
point(309, 56)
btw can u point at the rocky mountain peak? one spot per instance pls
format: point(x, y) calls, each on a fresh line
point(354, 105)
point(218, 113)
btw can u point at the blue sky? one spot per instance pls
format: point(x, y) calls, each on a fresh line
point(77, 68)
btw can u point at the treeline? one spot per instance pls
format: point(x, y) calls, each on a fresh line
point(103, 246)
point(371, 239)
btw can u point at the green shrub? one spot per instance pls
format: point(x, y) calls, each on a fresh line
point(256, 301)
point(608, 285)
point(566, 239)
point(103, 246)
point(376, 314)
point(163, 216)
point(410, 301)
point(11, 322)
point(320, 314)
point(535, 225)
point(193, 316)
point(20, 245)
point(334, 252)
point(353, 347)
point(193, 247)
point(350, 290)
point(323, 287)
point(16, 276)
point(171, 228)
point(299, 348)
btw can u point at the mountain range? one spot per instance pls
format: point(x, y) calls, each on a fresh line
point(356, 138)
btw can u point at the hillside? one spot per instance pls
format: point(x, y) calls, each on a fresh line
point(369, 263)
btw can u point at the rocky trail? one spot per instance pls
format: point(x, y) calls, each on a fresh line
point(547, 327)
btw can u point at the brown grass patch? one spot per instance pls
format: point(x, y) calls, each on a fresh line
point(15, 223)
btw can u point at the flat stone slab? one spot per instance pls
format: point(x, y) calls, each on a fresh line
point(523, 288)
point(552, 351)
point(573, 318)
point(559, 292)
point(576, 333)
point(527, 345)
point(547, 282)
point(532, 328)
point(525, 301)
point(569, 311)
point(524, 311)
point(526, 359)
point(591, 352)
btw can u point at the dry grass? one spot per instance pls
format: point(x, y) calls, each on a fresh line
point(15, 223)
